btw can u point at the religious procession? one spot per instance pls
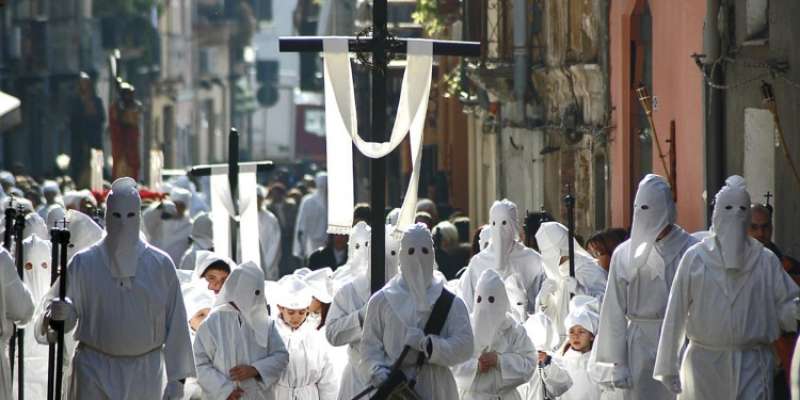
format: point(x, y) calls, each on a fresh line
point(399, 200)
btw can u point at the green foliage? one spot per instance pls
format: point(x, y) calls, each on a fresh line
point(123, 7)
point(427, 14)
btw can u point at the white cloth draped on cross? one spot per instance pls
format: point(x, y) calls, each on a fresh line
point(222, 208)
point(342, 127)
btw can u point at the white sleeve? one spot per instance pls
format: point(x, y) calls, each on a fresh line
point(215, 384)
point(518, 364)
point(328, 384)
point(342, 324)
point(455, 344)
point(18, 298)
point(612, 335)
point(373, 353)
point(271, 367)
point(178, 360)
point(556, 380)
point(673, 329)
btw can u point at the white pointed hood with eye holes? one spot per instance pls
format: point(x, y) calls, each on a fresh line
point(358, 257)
point(123, 222)
point(653, 210)
point(504, 232)
point(245, 289)
point(491, 309)
point(37, 255)
point(553, 240)
point(414, 291)
point(729, 221)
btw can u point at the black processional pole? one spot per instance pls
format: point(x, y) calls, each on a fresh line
point(9, 225)
point(59, 239)
point(379, 46)
point(569, 203)
point(233, 181)
point(19, 229)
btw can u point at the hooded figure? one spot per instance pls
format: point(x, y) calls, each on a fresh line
point(636, 296)
point(397, 314)
point(83, 232)
point(198, 202)
point(311, 229)
point(269, 238)
point(590, 277)
point(127, 302)
point(506, 254)
point(168, 224)
point(202, 238)
point(582, 318)
point(36, 275)
point(730, 300)
point(238, 348)
point(310, 372)
point(16, 307)
point(504, 356)
point(346, 315)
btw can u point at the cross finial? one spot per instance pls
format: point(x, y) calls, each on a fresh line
point(768, 196)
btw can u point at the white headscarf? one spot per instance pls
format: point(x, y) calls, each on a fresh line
point(320, 284)
point(553, 240)
point(123, 222)
point(730, 219)
point(485, 237)
point(204, 259)
point(504, 233)
point(491, 309)
point(35, 225)
point(196, 298)
point(653, 210)
point(245, 289)
point(202, 231)
point(583, 311)
point(416, 264)
point(543, 332)
point(294, 293)
point(83, 231)
point(180, 195)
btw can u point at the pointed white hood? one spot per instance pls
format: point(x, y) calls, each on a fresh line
point(504, 233)
point(416, 264)
point(123, 223)
point(729, 221)
point(653, 210)
point(553, 240)
point(491, 309)
point(245, 289)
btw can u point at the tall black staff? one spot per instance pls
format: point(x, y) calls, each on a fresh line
point(63, 242)
point(569, 203)
point(19, 228)
point(51, 356)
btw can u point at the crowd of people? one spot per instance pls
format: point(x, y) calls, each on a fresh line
point(503, 310)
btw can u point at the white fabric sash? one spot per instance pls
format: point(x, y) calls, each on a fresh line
point(341, 127)
point(222, 209)
point(96, 164)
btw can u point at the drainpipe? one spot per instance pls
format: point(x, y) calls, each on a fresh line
point(714, 107)
point(520, 59)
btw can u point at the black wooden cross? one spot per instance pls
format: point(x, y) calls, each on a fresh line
point(378, 45)
point(233, 181)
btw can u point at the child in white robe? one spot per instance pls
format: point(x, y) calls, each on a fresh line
point(310, 373)
point(581, 324)
point(238, 351)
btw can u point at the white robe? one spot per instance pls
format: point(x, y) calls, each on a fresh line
point(524, 262)
point(189, 257)
point(131, 335)
point(730, 318)
point(269, 238)
point(582, 388)
point(592, 281)
point(16, 307)
point(343, 328)
point(170, 235)
point(224, 341)
point(516, 362)
point(309, 375)
point(312, 225)
point(382, 343)
point(632, 311)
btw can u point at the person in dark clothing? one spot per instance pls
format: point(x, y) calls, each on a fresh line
point(533, 220)
point(445, 243)
point(333, 255)
point(86, 119)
